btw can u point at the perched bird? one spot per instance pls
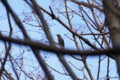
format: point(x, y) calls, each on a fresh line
point(60, 40)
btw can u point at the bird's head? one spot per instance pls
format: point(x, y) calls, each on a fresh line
point(58, 35)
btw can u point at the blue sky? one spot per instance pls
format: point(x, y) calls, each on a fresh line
point(38, 35)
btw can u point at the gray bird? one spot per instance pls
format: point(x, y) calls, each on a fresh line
point(60, 40)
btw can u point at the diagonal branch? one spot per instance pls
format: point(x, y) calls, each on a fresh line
point(88, 5)
point(58, 50)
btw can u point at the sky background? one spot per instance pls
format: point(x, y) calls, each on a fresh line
point(23, 11)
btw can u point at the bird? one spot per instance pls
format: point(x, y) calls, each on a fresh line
point(60, 40)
